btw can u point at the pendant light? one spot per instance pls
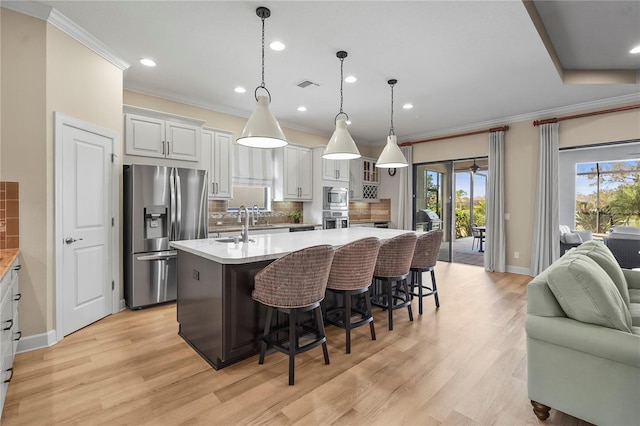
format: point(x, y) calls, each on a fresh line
point(262, 129)
point(391, 156)
point(341, 145)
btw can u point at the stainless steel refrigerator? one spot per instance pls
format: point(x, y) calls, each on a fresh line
point(161, 204)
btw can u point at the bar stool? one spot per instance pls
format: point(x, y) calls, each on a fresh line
point(351, 274)
point(424, 259)
point(392, 267)
point(293, 284)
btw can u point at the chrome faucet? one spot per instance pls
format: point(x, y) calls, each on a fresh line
point(256, 212)
point(245, 228)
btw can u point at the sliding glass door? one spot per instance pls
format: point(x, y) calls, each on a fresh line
point(433, 188)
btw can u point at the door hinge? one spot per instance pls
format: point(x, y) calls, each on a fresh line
point(113, 285)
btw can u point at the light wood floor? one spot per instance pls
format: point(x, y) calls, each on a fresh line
point(464, 364)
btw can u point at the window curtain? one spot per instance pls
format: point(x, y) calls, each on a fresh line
point(405, 191)
point(494, 255)
point(546, 233)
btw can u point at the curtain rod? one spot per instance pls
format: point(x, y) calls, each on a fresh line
point(458, 135)
point(586, 114)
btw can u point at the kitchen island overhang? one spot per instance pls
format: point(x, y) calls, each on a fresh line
point(217, 316)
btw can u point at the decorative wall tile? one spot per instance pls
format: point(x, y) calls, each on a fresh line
point(9, 215)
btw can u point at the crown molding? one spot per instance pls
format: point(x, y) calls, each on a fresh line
point(64, 24)
point(536, 115)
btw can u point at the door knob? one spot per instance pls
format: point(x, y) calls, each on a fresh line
point(70, 240)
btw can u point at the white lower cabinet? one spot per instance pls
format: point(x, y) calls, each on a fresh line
point(9, 327)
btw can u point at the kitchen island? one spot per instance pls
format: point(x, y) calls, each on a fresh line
point(215, 311)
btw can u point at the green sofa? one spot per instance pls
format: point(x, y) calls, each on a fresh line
point(583, 338)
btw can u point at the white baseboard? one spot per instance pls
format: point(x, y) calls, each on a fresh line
point(518, 270)
point(37, 341)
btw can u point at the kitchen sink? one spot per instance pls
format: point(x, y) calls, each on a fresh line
point(232, 240)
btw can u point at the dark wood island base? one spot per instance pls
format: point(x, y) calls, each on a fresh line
point(217, 316)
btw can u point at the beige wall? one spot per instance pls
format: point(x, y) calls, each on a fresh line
point(44, 71)
point(521, 157)
point(24, 156)
point(214, 119)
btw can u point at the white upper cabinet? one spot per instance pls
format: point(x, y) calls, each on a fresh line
point(293, 179)
point(363, 182)
point(217, 149)
point(355, 180)
point(161, 135)
point(334, 170)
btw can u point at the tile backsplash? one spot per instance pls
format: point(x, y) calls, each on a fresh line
point(218, 215)
point(9, 215)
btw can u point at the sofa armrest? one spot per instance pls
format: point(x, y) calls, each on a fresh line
point(632, 277)
point(602, 342)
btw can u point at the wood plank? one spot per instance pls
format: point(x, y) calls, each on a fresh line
point(464, 363)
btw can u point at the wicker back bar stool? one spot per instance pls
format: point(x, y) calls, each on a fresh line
point(391, 272)
point(351, 274)
point(424, 259)
point(293, 284)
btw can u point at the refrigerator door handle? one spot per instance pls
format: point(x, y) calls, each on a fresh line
point(178, 207)
point(172, 204)
point(163, 255)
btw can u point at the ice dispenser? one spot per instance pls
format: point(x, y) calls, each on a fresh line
point(156, 223)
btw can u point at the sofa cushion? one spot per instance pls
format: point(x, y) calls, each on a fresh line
point(587, 294)
point(634, 311)
point(634, 295)
point(605, 259)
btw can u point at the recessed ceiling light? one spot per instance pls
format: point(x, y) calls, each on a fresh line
point(407, 106)
point(148, 62)
point(350, 79)
point(635, 50)
point(302, 108)
point(239, 89)
point(277, 46)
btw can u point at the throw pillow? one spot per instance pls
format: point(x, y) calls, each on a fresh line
point(587, 294)
point(605, 259)
point(571, 238)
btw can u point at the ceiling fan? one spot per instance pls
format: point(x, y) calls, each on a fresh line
point(474, 168)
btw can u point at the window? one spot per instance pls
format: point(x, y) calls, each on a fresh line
point(607, 194)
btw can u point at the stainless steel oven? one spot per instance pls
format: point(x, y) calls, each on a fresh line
point(335, 219)
point(335, 198)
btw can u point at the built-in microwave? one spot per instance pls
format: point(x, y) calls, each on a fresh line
point(335, 198)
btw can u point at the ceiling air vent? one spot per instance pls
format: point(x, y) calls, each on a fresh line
point(306, 83)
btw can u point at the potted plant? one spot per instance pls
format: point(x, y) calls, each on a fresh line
point(295, 216)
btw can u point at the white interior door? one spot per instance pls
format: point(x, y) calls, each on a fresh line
point(86, 278)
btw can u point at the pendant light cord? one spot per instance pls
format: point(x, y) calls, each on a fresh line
point(391, 130)
point(341, 55)
point(263, 85)
point(263, 15)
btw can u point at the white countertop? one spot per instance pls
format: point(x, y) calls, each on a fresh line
point(273, 246)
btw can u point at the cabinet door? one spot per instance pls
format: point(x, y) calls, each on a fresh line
point(183, 141)
point(290, 172)
point(207, 160)
point(221, 161)
point(144, 136)
point(355, 180)
point(342, 166)
point(329, 170)
point(305, 173)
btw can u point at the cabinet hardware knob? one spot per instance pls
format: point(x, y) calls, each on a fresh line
point(19, 333)
point(10, 322)
point(17, 297)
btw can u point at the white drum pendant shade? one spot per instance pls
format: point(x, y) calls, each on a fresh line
point(341, 145)
point(391, 156)
point(262, 130)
